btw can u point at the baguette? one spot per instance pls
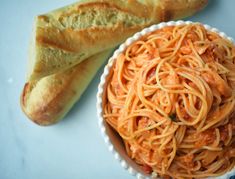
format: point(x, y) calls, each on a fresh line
point(69, 35)
point(65, 37)
point(48, 100)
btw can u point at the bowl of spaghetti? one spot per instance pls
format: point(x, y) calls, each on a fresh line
point(166, 102)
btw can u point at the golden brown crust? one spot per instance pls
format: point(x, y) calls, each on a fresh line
point(99, 5)
point(45, 102)
point(179, 9)
point(69, 31)
point(59, 47)
point(75, 41)
point(44, 113)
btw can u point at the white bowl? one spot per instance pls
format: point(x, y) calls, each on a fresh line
point(111, 138)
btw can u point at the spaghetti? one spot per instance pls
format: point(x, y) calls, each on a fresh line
point(171, 98)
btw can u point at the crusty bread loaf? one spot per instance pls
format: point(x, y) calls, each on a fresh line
point(67, 36)
point(64, 40)
point(48, 100)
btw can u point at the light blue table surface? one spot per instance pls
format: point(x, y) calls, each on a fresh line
point(74, 148)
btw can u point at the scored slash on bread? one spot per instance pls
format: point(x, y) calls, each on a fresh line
point(67, 36)
point(65, 52)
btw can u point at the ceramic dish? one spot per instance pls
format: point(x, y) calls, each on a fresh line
point(111, 138)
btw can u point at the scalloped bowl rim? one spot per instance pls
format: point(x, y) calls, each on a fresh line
point(102, 83)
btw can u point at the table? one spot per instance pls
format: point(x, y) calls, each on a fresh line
point(74, 148)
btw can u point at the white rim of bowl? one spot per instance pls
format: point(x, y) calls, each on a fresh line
point(107, 68)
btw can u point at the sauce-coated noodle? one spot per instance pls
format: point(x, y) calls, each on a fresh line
point(171, 98)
